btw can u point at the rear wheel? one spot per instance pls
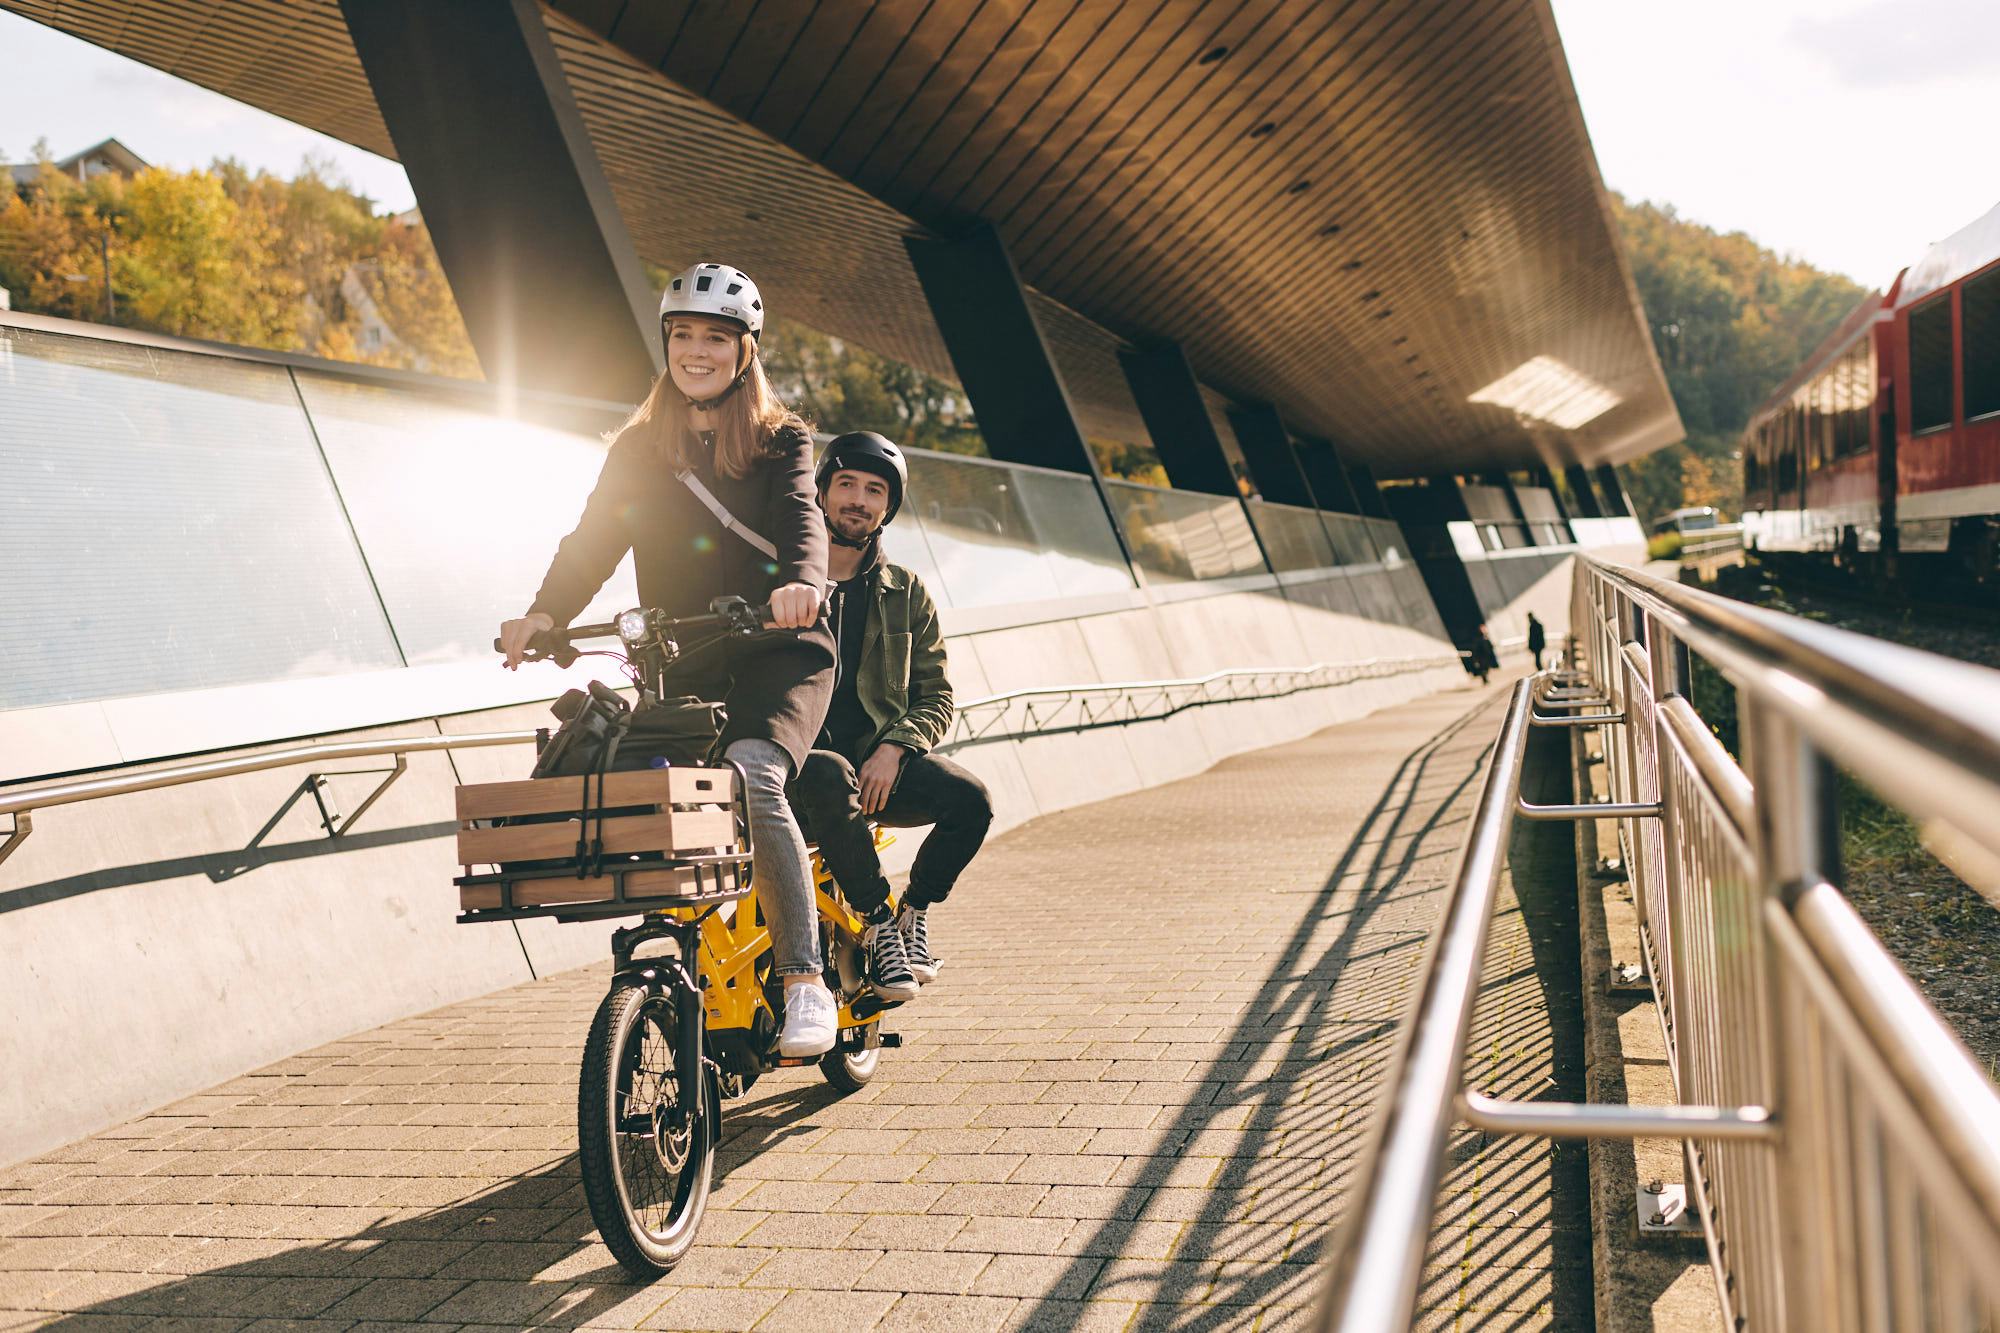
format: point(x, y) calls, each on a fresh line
point(645, 1178)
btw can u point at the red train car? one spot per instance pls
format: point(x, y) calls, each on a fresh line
point(1888, 437)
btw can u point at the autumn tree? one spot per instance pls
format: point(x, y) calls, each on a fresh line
point(1730, 320)
point(236, 256)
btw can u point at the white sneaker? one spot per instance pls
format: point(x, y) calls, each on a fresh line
point(810, 1016)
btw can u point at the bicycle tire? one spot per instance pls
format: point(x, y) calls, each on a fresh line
point(647, 1190)
point(849, 1071)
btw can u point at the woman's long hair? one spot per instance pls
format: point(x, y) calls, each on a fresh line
point(744, 425)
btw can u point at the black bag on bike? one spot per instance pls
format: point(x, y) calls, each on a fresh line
point(601, 733)
point(671, 733)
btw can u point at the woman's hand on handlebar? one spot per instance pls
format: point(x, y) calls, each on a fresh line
point(794, 606)
point(515, 634)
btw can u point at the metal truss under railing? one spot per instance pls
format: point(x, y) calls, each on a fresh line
point(1054, 708)
point(1067, 708)
point(1842, 1145)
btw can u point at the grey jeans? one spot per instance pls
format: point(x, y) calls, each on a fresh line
point(780, 868)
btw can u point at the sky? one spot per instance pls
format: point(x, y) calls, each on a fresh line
point(1851, 133)
point(73, 94)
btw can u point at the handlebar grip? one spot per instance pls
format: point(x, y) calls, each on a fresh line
point(552, 645)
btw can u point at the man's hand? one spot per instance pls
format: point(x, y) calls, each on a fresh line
point(514, 636)
point(794, 606)
point(878, 776)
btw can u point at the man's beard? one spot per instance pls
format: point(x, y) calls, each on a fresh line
point(857, 530)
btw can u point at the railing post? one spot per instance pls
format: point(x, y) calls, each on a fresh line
point(1794, 846)
point(1662, 682)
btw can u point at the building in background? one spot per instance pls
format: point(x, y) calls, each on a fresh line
point(110, 157)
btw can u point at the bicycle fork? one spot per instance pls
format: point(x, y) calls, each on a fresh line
point(689, 1024)
point(675, 979)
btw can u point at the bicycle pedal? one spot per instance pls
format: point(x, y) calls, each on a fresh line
point(892, 1039)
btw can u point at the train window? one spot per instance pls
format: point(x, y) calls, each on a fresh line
point(1930, 364)
point(1979, 310)
point(1855, 400)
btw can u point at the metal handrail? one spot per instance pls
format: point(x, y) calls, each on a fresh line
point(23, 802)
point(1842, 1146)
point(1378, 1259)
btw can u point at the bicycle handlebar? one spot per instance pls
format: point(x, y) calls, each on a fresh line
point(728, 615)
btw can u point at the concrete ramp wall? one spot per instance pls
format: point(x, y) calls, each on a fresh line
point(162, 942)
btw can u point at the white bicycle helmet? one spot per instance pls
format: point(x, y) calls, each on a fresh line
point(715, 291)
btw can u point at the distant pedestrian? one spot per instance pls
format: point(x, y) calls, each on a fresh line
point(1482, 659)
point(1538, 639)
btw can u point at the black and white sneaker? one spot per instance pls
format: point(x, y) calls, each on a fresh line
point(916, 948)
point(889, 974)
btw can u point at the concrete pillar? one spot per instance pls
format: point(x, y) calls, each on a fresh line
point(1328, 479)
point(1267, 451)
point(1423, 511)
point(530, 238)
point(1581, 493)
point(1366, 493)
point(1542, 477)
point(1004, 363)
point(1617, 504)
point(1164, 386)
point(1505, 485)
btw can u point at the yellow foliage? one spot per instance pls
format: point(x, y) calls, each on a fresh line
point(292, 265)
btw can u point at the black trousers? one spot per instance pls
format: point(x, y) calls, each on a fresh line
point(826, 795)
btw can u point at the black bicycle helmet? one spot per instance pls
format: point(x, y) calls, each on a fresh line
point(865, 451)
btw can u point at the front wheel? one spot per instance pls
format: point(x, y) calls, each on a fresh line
point(647, 1150)
point(849, 1071)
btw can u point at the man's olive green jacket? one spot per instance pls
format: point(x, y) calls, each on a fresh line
point(903, 685)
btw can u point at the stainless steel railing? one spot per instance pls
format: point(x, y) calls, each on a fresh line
point(1712, 549)
point(1842, 1146)
point(993, 717)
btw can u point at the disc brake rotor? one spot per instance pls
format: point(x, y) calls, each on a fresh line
point(672, 1146)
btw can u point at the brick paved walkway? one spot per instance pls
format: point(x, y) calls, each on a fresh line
point(1132, 1101)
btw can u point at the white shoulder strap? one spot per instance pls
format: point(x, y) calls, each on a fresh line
point(723, 516)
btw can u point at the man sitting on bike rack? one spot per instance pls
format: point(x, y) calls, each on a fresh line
point(891, 704)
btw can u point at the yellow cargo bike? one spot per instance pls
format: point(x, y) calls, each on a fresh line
point(694, 1018)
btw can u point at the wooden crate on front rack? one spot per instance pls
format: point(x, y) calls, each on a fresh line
point(679, 823)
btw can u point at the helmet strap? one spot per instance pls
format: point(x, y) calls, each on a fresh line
point(839, 538)
point(706, 405)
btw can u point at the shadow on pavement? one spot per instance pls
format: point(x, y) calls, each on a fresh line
point(1291, 1021)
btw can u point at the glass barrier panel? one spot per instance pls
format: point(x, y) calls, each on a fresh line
point(972, 513)
point(1184, 535)
point(1081, 549)
point(168, 525)
point(1413, 595)
point(1388, 539)
point(905, 544)
point(1293, 536)
point(1155, 538)
point(1351, 539)
point(459, 510)
point(1240, 552)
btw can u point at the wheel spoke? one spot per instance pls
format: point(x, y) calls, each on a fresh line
point(649, 1095)
point(646, 1184)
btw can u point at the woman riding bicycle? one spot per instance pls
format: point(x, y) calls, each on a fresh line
point(709, 484)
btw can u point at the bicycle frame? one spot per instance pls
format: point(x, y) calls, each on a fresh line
point(724, 949)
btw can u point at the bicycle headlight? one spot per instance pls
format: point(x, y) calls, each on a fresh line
point(632, 627)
